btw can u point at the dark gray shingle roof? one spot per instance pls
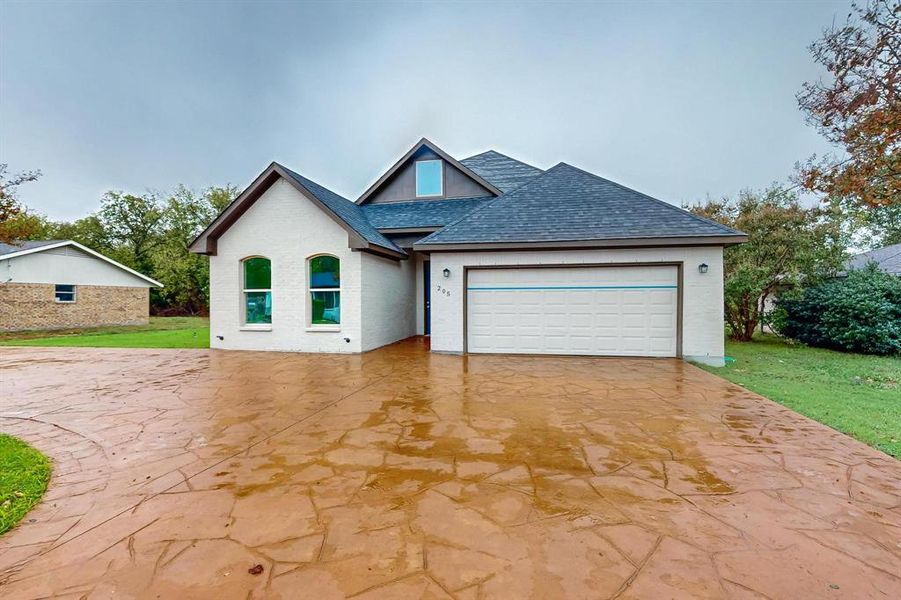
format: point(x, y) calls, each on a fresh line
point(888, 259)
point(26, 245)
point(421, 213)
point(345, 210)
point(569, 204)
point(503, 172)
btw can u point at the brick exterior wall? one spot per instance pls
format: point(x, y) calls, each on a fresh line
point(32, 306)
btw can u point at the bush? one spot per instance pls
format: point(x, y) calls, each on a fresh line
point(861, 313)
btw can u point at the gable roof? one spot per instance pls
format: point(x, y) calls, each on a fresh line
point(18, 247)
point(424, 143)
point(347, 211)
point(420, 213)
point(888, 259)
point(8, 251)
point(566, 206)
point(362, 235)
point(504, 172)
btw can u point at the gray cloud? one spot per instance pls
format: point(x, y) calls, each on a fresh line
point(678, 101)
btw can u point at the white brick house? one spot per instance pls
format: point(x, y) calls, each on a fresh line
point(486, 254)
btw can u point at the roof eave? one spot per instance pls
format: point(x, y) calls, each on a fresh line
point(205, 243)
point(725, 240)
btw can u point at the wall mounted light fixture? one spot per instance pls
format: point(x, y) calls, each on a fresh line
point(446, 273)
point(702, 268)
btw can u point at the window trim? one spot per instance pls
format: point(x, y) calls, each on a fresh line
point(74, 293)
point(416, 177)
point(244, 325)
point(310, 289)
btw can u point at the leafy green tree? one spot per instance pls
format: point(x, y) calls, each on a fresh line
point(788, 245)
point(186, 275)
point(14, 224)
point(858, 107)
point(88, 231)
point(28, 225)
point(134, 226)
point(885, 223)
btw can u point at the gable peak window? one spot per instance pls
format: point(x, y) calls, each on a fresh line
point(325, 291)
point(429, 178)
point(257, 276)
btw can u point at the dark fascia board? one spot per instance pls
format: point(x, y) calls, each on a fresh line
point(728, 240)
point(403, 159)
point(205, 243)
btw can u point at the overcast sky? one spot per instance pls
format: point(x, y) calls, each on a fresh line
point(679, 101)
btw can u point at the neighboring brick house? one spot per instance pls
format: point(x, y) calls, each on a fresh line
point(57, 284)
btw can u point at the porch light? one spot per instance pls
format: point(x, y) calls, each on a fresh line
point(702, 268)
point(446, 273)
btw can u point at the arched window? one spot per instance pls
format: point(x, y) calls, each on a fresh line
point(257, 273)
point(325, 291)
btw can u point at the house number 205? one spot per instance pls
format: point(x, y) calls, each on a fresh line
point(442, 290)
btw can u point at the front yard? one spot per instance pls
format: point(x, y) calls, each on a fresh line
point(857, 394)
point(161, 332)
point(24, 473)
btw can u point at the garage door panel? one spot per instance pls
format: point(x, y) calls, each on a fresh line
point(623, 311)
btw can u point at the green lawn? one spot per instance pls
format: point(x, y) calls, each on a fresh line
point(161, 332)
point(854, 393)
point(24, 473)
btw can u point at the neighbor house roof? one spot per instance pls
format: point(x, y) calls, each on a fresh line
point(10, 251)
point(18, 247)
point(570, 206)
point(362, 235)
point(503, 172)
point(421, 213)
point(888, 259)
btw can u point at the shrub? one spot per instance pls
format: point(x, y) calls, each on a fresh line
point(861, 313)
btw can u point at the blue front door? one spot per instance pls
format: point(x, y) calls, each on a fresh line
point(427, 295)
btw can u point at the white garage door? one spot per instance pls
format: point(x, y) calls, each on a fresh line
point(605, 311)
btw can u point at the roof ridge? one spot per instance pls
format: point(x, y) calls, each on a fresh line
point(507, 156)
point(489, 151)
point(316, 183)
point(878, 249)
point(657, 200)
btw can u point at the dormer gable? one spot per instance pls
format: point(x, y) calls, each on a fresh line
point(426, 172)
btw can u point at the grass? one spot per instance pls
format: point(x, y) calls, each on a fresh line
point(24, 474)
point(857, 394)
point(161, 332)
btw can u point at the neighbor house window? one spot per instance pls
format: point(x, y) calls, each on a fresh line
point(429, 178)
point(325, 291)
point(65, 293)
point(257, 291)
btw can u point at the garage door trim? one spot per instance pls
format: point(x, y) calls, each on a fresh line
point(679, 265)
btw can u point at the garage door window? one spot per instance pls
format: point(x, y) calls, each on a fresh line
point(325, 291)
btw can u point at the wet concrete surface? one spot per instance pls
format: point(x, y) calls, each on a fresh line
point(402, 474)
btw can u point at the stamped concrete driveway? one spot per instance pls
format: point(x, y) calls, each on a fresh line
point(404, 474)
